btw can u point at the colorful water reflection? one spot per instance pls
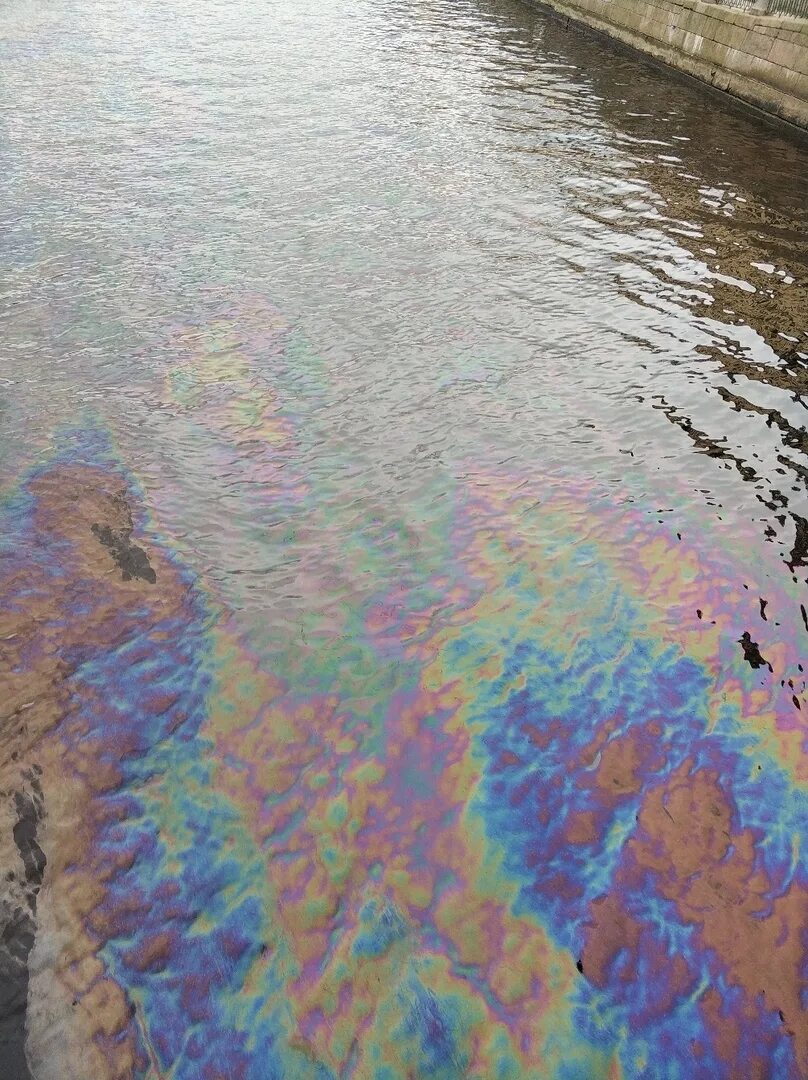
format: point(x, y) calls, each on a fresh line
point(533, 807)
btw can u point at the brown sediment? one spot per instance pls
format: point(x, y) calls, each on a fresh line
point(67, 599)
point(755, 927)
point(582, 829)
point(614, 767)
point(611, 924)
point(37, 626)
point(716, 880)
point(626, 760)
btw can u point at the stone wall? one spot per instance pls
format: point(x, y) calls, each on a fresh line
point(762, 59)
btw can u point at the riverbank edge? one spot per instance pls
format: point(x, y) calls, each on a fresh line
point(760, 60)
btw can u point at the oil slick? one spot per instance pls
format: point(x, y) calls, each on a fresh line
point(520, 813)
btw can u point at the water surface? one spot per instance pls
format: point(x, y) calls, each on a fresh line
point(404, 539)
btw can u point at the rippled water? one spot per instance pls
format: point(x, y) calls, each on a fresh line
point(404, 550)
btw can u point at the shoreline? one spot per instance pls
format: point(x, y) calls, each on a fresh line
point(758, 62)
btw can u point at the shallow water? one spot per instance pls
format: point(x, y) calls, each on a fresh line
point(404, 546)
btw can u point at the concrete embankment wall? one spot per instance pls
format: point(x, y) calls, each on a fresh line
point(761, 59)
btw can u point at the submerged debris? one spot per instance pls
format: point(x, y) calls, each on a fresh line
point(751, 652)
point(132, 560)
